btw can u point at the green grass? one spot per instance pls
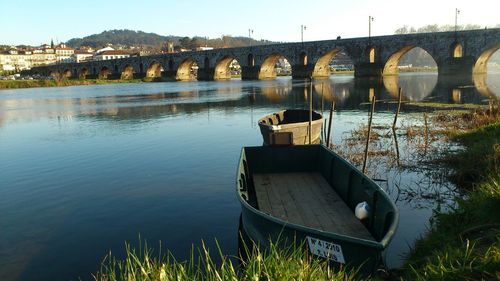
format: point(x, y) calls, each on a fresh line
point(481, 156)
point(276, 264)
point(443, 106)
point(17, 84)
point(464, 242)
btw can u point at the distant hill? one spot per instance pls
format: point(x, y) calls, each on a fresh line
point(123, 37)
point(131, 38)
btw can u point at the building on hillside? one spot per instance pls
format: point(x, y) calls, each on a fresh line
point(108, 48)
point(87, 49)
point(14, 60)
point(64, 53)
point(81, 55)
point(204, 48)
point(168, 48)
point(111, 55)
point(43, 55)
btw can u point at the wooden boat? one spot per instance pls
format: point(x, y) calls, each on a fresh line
point(294, 123)
point(308, 193)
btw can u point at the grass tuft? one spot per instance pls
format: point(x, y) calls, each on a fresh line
point(277, 263)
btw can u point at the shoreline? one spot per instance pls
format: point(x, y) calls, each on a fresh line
point(462, 244)
point(25, 84)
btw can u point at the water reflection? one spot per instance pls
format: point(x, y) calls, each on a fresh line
point(348, 93)
point(83, 169)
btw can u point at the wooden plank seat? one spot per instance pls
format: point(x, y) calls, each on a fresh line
point(307, 199)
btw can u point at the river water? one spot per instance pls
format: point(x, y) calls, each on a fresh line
point(84, 169)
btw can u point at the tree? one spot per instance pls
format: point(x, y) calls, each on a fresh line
point(185, 42)
point(402, 30)
point(428, 28)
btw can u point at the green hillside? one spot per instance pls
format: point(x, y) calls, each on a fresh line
point(131, 38)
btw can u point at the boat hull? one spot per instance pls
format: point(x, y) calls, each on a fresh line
point(298, 127)
point(353, 253)
point(352, 187)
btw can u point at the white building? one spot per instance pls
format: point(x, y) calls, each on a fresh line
point(43, 56)
point(204, 48)
point(14, 60)
point(80, 56)
point(64, 53)
point(111, 55)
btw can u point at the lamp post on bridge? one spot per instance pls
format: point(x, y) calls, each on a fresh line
point(457, 11)
point(370, 19)
point(302, 28)
point(250, 32)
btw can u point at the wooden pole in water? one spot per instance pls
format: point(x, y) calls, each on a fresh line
point(310, 108)
point(322, 98)
point(323, 127)
point(330, 123)
point(426, 133)
point(369, 131)
point(397, 111)
point(396, 144)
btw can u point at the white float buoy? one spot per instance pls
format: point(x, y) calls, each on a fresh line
point(362, 210)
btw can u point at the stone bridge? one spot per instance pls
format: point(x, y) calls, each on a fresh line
point(461, 53)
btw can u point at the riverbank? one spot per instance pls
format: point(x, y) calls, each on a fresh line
point(463, 243)
point(18, 84)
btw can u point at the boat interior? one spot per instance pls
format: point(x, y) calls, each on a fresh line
point(313, 187)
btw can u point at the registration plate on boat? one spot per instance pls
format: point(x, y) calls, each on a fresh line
point(325, 249)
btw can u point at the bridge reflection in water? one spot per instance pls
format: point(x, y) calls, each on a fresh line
point(347, 91)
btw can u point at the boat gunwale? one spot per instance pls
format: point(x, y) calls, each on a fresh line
point(288, 125)
point(381, 245)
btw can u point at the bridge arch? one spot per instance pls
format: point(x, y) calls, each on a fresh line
point(456, 50)
point(127, 72)
point(154, 70)
point(481, 64)
point(104, 72)
point(371, 54)
point(250, 60)
point(55, 74)
point(82, 74)
point(322, 65)
point(268, 69)
point(187, 71)
point(391, 65)
point(224, 69)
point(303, 58)
point(66, 73)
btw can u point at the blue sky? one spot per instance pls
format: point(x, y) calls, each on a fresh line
point(34, 22)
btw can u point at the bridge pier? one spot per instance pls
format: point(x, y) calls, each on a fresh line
point(302, 71)
point(461, 69)
point(367, 69)
point(250, 72)
point(206, 74)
